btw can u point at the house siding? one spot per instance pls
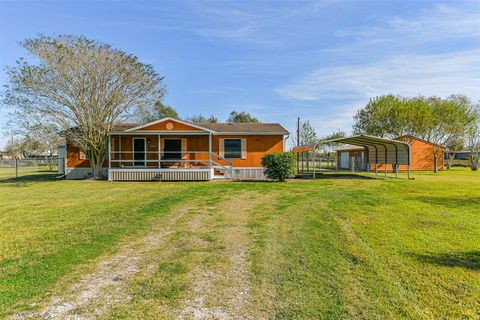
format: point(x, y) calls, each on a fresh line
point(256, 148)
point(421, 156)
point(162, 126)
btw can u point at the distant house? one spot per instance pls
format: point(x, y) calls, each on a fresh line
point(349, 156)
point(5, 155)
point(421, 156)
point(171, 149)
point(461, 158)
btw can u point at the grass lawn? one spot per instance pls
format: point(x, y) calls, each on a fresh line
point(26, 171)
point(333, 248)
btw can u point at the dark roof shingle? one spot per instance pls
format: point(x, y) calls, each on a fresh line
point(225, 127)
point(245, 127)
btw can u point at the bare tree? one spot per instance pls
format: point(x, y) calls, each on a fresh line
point(199, 118)
point(155, 112)
point(15, 148)
point(329, 150)
point(449, 118)
point(472, 141)
point(83, 88)
point(306, 135)
point(453, 145)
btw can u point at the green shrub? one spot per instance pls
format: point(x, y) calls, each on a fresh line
point(279, 165)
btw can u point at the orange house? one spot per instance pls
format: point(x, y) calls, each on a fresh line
point(422, 157)
point(171, 149)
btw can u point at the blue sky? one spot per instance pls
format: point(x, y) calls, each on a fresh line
point(320, 60)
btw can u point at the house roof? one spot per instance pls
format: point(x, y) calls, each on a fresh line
point(305, 148)
point(233, 128)
point(126, 125)
point(409, 136)
point(245, 127)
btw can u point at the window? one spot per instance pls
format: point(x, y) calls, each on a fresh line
point(233, 148)
point(172, 149)
point(82, 156)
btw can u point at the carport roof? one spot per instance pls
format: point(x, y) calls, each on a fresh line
point(380, 150)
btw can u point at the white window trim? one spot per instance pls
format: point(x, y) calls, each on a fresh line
point(224, 156)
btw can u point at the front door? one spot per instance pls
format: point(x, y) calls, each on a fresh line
point(344, 160)
point(172, 149)
point(139, 151)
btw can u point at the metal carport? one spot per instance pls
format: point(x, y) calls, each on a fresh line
point(380, 150)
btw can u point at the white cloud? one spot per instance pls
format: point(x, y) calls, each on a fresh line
point(437, 24)
point(408, 75)
point(434, 52)
point(253, 22)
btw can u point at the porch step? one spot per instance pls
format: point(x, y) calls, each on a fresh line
point(219, 177)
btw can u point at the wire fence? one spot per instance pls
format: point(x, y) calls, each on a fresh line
point(30, 168)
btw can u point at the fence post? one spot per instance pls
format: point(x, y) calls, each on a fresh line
point(16, 167)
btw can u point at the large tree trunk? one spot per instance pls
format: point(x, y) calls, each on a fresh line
point(450, 159)
point(474, 161)
point(96, 159)
point(435, 159)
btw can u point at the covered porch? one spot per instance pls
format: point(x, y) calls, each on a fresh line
point(165, 156)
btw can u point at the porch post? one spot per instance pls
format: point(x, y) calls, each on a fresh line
point(210, 149)
point(109, 157)
point(159, 152)
point(409, 160)
point(120, 150)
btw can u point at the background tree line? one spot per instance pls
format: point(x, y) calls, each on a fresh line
point(452, 122)
point(159, 110)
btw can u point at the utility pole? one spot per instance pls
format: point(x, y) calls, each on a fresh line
point(298, 144)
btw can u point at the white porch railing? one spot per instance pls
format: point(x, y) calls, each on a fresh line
point(186, 161)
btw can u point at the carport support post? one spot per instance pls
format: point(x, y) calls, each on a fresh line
point(303, 172)
point(308, 161)
point(314, 163)
point(409, 157)
point(298, 144)
point(396, 162)
point(386, 169)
